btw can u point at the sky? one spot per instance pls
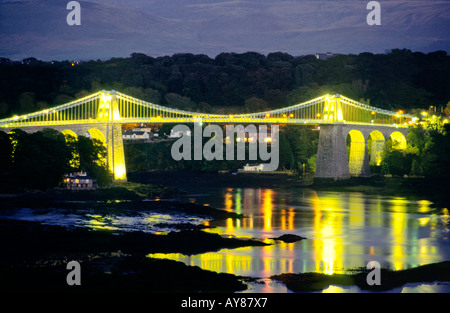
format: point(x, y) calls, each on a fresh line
point(117, 28)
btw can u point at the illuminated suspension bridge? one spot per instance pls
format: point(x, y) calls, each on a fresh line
point(115, 107)
point(102, 114)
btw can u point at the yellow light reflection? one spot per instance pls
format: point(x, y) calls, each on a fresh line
point(221, 262)
point(267, 209)
point(398, 227)
point(99, 222)
point(283, 219)
point(229, 201)
point(425, 206)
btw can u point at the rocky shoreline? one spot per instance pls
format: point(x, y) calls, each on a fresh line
point(35, 256)
point(310, 282)
point(110, 261)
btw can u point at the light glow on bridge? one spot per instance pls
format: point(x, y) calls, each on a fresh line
point(102, 114)
point(115, 107)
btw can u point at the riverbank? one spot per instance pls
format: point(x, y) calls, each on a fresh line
point(35, 256)
point(117, 191)
point(168, 185)
point(110, 261)
point(187, 181)
point(418, 188)
point(388, 279)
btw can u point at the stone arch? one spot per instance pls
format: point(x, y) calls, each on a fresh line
point(68, 132)
point(398, 140)
point(95, 133)
point(357, 155)
point(375, 143)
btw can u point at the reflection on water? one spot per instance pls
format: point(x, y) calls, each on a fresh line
point(345, 230)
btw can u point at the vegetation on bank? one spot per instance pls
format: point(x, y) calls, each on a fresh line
point(40, 160)
point(427, 153)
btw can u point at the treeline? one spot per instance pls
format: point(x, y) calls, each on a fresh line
point(40, 160)
point(297, 148)
point(427, 153)
point(231, 82)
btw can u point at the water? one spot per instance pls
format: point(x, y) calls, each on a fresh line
point(344, 230)
point(105, 218)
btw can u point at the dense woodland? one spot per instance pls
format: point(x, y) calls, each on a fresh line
point(232, 82)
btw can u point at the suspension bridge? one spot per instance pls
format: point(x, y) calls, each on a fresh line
point(102, 114)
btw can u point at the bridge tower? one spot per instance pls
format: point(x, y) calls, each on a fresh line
point(332, 153)
point(108, 112)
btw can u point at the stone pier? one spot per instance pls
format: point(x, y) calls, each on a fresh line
point(333, 160)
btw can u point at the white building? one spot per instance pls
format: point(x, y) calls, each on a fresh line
point(136, 135)
point(139, 133)
point(179, 134)
point(79, 181)
point(253, 167)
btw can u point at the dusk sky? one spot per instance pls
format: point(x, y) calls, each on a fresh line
point(115, 28)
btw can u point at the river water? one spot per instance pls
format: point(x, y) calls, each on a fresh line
point(344, 230)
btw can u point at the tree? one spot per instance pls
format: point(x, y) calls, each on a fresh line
point(5, 153)
point(285, 152)
point(303, 142)
point(26, 102)
point(92, 154)
point(436, 156)
point(39, 160)
point(254, 105)
point(394, 160)
point(447, 109)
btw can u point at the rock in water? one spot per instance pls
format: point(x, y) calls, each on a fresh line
point(289, 238)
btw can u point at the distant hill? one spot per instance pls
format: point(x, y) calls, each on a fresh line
point(38, 29)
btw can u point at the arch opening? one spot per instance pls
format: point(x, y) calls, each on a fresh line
point(398, 140)
point(97, 134)
point(375, 144)
point(356, 149)
point(94, 133)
